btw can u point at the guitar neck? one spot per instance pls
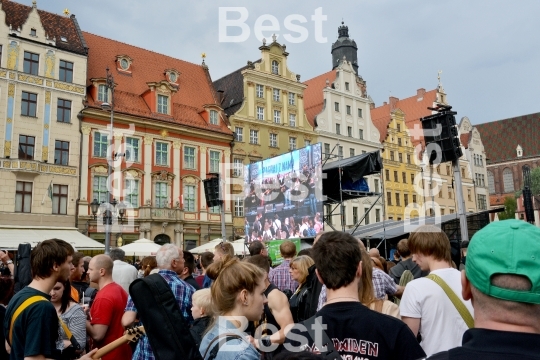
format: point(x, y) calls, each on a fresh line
point(113, 345)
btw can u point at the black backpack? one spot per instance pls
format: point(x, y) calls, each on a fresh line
point(23, 268)
point(163, 321)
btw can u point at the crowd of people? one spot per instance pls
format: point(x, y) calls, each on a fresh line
point(336, 299)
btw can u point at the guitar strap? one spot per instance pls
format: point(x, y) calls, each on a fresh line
point(31, 300)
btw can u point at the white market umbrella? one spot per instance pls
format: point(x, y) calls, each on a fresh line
point(209, 246)
point(141, 247)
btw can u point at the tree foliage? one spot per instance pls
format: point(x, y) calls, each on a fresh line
point(510, 207)
point(535, 181)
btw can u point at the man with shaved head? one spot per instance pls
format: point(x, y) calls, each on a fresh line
point(105, 324)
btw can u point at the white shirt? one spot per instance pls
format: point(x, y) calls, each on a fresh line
point(441, 325)
point(123, 274)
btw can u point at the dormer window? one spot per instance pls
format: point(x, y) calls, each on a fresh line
point(519, 151)
point(163, 104)
point(172, 75)
point(275, 67)
point(33, 32)
point(63, 38)
point(213, 117)
point(124, 63)
point(103, 93)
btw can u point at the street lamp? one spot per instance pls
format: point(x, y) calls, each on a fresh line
point(109, 211)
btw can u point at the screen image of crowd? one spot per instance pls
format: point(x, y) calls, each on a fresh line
point(283, 196)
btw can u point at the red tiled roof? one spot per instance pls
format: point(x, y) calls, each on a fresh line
point(195, 88)
point(464, 138)
point(381, 118)
point(56, 26)
point(313, 95)
point(501, 138)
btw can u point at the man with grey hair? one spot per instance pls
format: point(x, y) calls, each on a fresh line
point(123, 273)
point(170, 261)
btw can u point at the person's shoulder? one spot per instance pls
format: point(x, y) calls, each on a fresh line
point(443, 355)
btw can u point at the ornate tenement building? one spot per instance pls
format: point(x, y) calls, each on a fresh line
point(43, 61)
point(338, 107)
point(265, 105)
point(170, 131)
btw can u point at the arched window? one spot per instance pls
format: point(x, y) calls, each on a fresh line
point(275, 67)
point(491, 182)
point(508, 180)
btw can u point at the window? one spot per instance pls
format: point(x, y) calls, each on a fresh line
point(275, 93)
point(398, 202)
point(239, 133)
point(214, 161)
point(377, 215)
point(214, 209)
point(33, 32)
point(348, 110)
point(449, 192)
point(412, 178)
point(260, 91)
point(31, 63)
point(260, 113)
point(307, 142)
point(336, 106)
point(0, 55)
point(292, 143)
point(132, 149)
point(238, 166)
point(277, 116)
point(162, 153)
point(408, 158)
point(399, 141)
point(161, 195)
point(469, 197)
point(28, 104)
point(404, 177)
point(481, 161)
point(366, 219)
point(239, 207)
point(349, 131)
point(103, 93)
point(189, 157)
point(491, 182)
point(99, 189)
point(66, 71)
point(463, 172)
point(508, 180)
point(273, 140)
point(23, 197)
point(405, 199)
point(61, 152)
point(26, 147)
point(63, 111)
point(213, 117)
point(340, 151)
point(376, 181)
point(452, 211)
point(292, 120)
point(442, 211)
point(338, 129)
point(392, 156)
point(389, 198)
point(347, 88)
point(354, 214)
point(132, 192)
point(253, 136)
point(361, 134)
point(292, 99)
point(59, 199)
point(396, 179)
point(351, 152)
point(163, 104)
point(275, 67)
point(327, 149)
point(189, 198)
point(387, 174)
point(414, 199)
point(400, 157)
point(359, 113)
point(482, 205)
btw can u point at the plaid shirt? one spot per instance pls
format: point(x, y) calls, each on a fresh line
point(281, 277)
point(182, 292)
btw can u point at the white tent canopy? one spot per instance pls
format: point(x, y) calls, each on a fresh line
point(209, 246)
point(141, 247)
point(12, 236)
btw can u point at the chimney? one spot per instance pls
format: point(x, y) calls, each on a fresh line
point(220, 96)
point(384, 103)
point(420, 92)
point(371, 105)
point(393, 103)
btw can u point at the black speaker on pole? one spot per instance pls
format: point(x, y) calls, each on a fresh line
point(211, 191)
point(527, 203)
point(441, 137)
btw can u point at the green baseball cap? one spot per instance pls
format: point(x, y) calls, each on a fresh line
point(505, 247)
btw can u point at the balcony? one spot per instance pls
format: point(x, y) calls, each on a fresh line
point(165, 214)
point(36, 167)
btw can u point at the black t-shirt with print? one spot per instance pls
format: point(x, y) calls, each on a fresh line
point(360, 333)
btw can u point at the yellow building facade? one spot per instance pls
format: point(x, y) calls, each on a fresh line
point(265, 105)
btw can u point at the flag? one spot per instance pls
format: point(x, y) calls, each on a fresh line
point(50, 190)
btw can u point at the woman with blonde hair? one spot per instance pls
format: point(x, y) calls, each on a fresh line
point(299, 270)
point(237, 294)
point(366, 293)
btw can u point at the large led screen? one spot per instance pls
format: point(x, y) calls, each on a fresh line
point(283, 196)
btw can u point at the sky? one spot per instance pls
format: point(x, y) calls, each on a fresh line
point(488, 51)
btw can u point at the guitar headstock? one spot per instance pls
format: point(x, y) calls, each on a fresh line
point(134, 333)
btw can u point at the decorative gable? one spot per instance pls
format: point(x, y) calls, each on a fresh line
point(33, 29)
point(172, 76)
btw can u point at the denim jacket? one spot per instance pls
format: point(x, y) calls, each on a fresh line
point(234, 349)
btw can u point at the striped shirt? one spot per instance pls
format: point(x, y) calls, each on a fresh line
point(281, 277)
point(182, 292)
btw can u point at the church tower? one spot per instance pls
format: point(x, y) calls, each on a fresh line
point(344, 46)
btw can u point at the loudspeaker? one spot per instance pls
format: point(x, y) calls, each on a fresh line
point(441, 133)
point(211, 191)
point(527, 203)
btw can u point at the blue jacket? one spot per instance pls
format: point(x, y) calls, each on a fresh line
point(234, 349)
